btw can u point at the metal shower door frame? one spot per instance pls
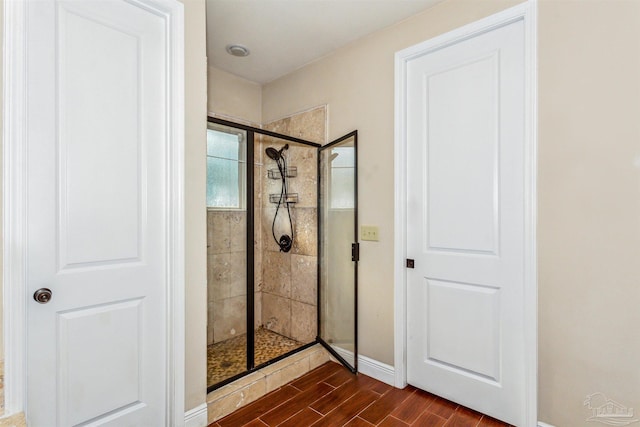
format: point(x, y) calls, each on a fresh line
point(355, 252)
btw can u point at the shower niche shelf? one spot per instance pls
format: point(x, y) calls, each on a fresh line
point(290, 172)
point(289, 198)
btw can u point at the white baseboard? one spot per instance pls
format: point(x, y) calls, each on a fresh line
point(541, 424)
point(370, 367)
point(378, 370)
point(196, 417)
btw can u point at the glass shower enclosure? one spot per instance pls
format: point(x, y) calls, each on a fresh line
point(282, 248)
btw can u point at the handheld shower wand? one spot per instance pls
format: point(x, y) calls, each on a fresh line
point(285, 242)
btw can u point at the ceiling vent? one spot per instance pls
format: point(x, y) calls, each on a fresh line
point(237, 50)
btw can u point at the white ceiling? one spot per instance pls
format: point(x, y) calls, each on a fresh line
point(284, 35)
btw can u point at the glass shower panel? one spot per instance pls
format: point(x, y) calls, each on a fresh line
point(338, 249)
point(226, 253)
point(286, 247)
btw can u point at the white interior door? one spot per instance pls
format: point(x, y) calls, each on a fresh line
point(465, 222)
point(98, 224)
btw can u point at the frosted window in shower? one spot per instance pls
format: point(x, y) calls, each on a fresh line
point(226, 163)
point(342, 178)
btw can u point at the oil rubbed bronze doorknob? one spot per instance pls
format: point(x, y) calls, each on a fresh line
point(42, 295)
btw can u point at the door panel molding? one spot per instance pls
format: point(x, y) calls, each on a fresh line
point(14, 175)
point(527, 13)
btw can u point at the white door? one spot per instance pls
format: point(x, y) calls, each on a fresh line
point(465, 222)
point(98, 144)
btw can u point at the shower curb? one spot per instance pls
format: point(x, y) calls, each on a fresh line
point(233, 396)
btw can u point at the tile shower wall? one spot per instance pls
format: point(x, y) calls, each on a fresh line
point(289, 280)
point(226, 274)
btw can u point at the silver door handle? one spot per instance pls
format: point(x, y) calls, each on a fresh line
point(42, 295)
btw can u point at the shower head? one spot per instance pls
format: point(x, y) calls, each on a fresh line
point(276, 154)
point(272, 153)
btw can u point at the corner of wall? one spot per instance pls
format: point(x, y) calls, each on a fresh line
point(233, 96)
point(195, 220)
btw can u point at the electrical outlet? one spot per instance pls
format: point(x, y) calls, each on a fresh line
point(369, 232)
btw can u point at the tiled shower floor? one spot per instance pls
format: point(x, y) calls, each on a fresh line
point(228, 358)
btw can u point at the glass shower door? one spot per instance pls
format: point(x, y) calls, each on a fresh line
point(338, 248)
point(228, 251)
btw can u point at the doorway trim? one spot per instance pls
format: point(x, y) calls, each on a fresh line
point(14, 227)
point(14, 205)
point(527, 13)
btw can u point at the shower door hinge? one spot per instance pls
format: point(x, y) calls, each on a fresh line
point(355, 252)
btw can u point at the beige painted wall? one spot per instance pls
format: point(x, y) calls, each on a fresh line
point(195, 193)
point(589, 156)
point(589, 214)
point(234, 97)
point(357, 84)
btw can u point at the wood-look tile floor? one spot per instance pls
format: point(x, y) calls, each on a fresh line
point(331, 396)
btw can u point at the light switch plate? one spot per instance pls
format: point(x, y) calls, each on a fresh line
point(369, 232)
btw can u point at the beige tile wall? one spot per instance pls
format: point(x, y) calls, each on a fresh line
point(226, 274)
point(289, 280)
